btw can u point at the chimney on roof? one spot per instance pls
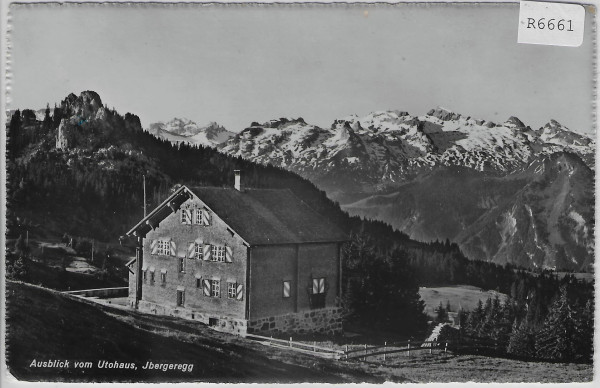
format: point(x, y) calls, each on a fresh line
point(238, 180)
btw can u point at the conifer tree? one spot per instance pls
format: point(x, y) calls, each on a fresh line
point(585, 331)
point(522, 341)
point(14, 135)
point(47, 123)
point(475, 318)
point(558, 336)
point(441, 313)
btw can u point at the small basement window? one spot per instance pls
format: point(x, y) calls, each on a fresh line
point(180, 297)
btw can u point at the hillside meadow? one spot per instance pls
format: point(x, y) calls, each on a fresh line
point(462, 296)
point(43, 325)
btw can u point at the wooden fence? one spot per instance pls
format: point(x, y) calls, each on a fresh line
point(352, 352)
point(362, 352)
point(296, 346)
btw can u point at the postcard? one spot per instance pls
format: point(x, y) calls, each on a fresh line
point(299, 193)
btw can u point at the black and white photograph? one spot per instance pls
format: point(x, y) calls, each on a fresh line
point(298, 192)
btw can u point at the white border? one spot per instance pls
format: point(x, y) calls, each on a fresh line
point(8, 381)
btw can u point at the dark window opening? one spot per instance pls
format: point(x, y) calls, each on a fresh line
point(180, 298)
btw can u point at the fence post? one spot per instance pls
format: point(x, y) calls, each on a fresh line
point(346, 352)
point(431, 347)
point(408, 348)
point(446, 348)
point(290, 342)
point(365, 357)
point(270, 340)
point(384, 349)
point(315, 346)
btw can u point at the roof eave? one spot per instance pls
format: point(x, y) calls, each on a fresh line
point(165, 203)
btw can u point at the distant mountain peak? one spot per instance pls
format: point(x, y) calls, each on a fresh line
point(185, 130)
point(443, 114)
point(514, 121)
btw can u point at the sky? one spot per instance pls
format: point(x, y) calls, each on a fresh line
point(239, 64)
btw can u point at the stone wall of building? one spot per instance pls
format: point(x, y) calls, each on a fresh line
point(215, 321)
point(326, 321)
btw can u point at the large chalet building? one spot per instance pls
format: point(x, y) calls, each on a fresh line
point(240, 260)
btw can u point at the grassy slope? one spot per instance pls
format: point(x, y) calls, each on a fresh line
point(463, 296)
point(423, 367)
point(43, 325)
point(57, 279)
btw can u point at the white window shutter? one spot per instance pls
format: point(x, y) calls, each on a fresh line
point(315, 288)
point(240, 292)
point(286, 289)
point(206, 287)
point(154, 247)
point(205, 218)
point(191, 250)
point(322, 286)
point(188, 213)
point(207, 252)
point(173, 248)
point(228, 254)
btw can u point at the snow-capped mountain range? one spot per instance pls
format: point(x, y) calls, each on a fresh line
point(391, 147)
point(503, 191)
point(183, 130)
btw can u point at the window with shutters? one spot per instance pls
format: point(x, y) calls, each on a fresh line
point(180, 297)
point(181, 264)
point(198, 216)
point(198, 252)
point(185, 217)
point(215, 288)
point(231, 290)
point(286, 288)
point(318, 286)
point(163, 247)
point(218, 253)
point(317, 291)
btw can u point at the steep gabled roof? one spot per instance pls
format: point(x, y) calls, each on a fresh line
point(259, 216)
